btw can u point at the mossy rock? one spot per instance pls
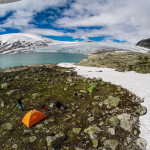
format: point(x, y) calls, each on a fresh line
point(112, 144)
point(114, 121)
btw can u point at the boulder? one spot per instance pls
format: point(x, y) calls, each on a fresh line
point(141, 110)
point(72, 84)
point(32, 139)
point(69, 80)
point(95, 143)
point(111, 131)
point(8, 127)
point(17, 78)
point(46, 121)
point(11, 92)
point(114, 121)
point(126, 125)
point(55, 141)
point(2, 104)
point(51, 120)
point(113, 101)
point(91, 119)
point(124, 116)
point(141, 143)
point(27, 132)
point(92, 130)
point(15, 146)
point(101, 123)
point(125, 122)
point(84, 91)
point(76, 130)
point(36, 95)
point(112, 144)
point(97, 98)
point(5, 86)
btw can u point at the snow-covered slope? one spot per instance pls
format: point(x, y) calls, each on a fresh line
point(22, 42)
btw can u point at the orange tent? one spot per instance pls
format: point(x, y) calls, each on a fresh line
point(32, 117)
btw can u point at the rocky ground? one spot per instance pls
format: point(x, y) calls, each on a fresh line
point(121, 61)
point(100, 115)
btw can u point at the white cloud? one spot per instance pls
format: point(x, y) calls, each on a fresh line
point(24, 11)
point(125, 20)
point(44, 32)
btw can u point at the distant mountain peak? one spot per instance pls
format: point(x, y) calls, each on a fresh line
point(22, 42)
point(144, 43)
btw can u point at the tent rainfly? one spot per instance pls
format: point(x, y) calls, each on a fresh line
point(32, 117)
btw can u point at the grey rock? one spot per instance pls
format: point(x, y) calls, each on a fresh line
point(84, 91)
point(46, 121)
point(11, 92)
point(141, 110)
point(125, 122)
point(101, 123)
point(5, 85)
point(95, 143)
point(56, 141)
point(114, 101)
point(2, 104)
point(17, 78)
point(114, 121)
point(126, 125)
point(129, 140)
point(141, 143)
point(111, 131)
point(76, 130)
point(15, 146)
point(27, 132)
point(124, 116)
point(32, 139)
point(91, 119)
point(95, 103)
point(69, 80)
point(77, 148)
point(92, 130)
point(51, 120)
point(97, 98)
point(7, 127)
point(72, 84)
point(112, 144)
point(65, 89)
point(36, 95)
point(39, 126)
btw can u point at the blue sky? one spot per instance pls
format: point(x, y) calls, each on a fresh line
point(71, 20)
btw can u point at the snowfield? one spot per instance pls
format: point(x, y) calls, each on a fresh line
point(137, 83)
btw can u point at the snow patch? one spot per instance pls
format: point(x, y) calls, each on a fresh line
point(137, 83)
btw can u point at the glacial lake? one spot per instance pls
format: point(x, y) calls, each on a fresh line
point(34, 58)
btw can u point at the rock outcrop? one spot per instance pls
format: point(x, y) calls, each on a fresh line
point(144, 43)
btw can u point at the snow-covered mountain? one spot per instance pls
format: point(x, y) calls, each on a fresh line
point(22, 42)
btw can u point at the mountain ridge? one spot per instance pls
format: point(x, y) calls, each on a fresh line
point(144, 43)
point(22, 42)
